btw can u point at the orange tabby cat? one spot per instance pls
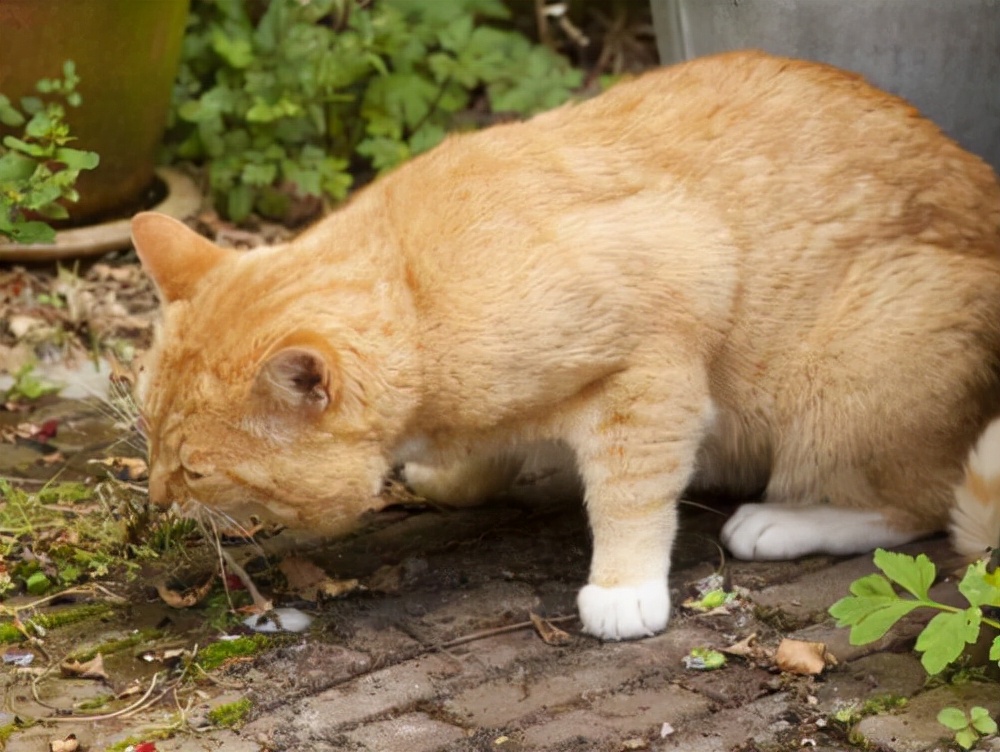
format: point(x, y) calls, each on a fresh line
point(743, 272)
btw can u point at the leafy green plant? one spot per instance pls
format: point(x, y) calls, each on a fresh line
point(27, 385)
point(296, 101)
point(38, 170)
point(849, 714)
point(874, 606)
point(76, 547)
point(968, 728)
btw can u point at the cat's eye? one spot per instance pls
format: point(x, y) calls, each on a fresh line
point(191, 476)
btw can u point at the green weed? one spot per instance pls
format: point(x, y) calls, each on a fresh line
point(38, 169)
point(294, 101)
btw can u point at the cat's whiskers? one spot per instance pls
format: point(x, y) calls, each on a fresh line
point(118, 405)
point(206, 521)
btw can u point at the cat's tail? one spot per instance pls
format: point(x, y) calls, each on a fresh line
point(975, 518)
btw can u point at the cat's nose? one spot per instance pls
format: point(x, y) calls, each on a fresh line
point(158, 488)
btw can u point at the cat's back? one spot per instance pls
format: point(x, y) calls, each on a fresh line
point(763, 140)
point(766, 135)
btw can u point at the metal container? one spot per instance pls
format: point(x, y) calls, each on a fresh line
point(941, 55)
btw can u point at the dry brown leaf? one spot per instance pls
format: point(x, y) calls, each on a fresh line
point(386, 579)
point(550, 634)
point(19, 324)
point(335, 588)
point(301, 574)
point(171, 656)
point(126, 468)
point(748, 648)
point(104, 272)
point(133, 689)
point(187, 599)
point(69, 744)
point(92, 669)
point(308, 581)
point(805, 658)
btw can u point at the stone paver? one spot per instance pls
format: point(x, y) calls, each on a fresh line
point(915, 727)
point(381, 672)
point(417, 732)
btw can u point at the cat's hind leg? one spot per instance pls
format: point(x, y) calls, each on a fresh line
point(772, 531)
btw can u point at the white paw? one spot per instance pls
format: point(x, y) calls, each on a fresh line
point(624, 613)
point(763, 532)
point(425, 480)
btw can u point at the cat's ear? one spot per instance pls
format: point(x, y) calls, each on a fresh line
point(299, 373)
point(174, 255)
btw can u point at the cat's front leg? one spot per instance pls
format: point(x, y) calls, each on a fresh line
point(636, 452)
point(470, 481)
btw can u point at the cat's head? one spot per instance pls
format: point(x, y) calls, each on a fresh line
point(253, 400)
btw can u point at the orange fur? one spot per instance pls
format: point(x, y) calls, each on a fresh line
point(744, 271)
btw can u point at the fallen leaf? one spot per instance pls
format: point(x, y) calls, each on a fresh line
point(550, 634)
point(749, 649)
point(126, 468)
point(804, 658)
point(131, 690)
point(92, 669)
point(336, 588)
point(711, 602)
point(19, 325)
point(386, 579)
point(46, 431)
point(233, 582)
point(308, 581)
point(169, 657)
point(744, 648)
point(187, 599)
point(69, 744)
point(704, 659)
point(144, 747)
point(634, 743)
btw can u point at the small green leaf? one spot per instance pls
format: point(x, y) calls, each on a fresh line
point(240, 202)
point(238, 52)
point(953, 718)
point(37, 583)
point(977, 589)
point(75, 159)
point(9, 115)
point(704, 659)
point(982, 721)
point(259, 174)
point(914, 575)
point(69, 574)
point(31, 232)
point(966, 738)
point(873, 585)
point(995, 650)
point(15, 167)
point(872, 610)
point(946, 636)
